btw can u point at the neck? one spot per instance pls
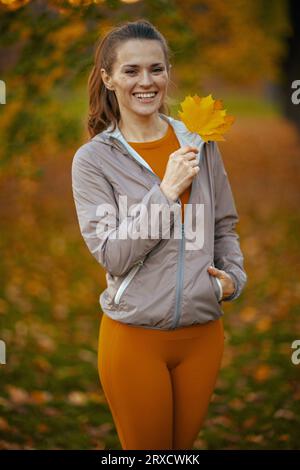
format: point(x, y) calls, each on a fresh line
point(143, 128)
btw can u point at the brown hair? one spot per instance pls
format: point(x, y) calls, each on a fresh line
point(103, 104)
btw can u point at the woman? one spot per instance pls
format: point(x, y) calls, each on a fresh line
point(161, 334)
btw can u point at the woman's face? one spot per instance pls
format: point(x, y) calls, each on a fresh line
point(140, 68)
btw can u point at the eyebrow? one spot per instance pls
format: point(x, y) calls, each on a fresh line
point(136, 65)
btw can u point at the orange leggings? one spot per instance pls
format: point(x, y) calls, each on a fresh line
point(158, 383)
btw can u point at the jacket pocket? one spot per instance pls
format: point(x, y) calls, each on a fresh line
point(215, 290)
point(216, 287)
point(126, 281)
point(214, 296)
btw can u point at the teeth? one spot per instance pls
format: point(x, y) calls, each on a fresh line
point(144, 95)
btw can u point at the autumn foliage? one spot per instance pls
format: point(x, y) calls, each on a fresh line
point(50, 393)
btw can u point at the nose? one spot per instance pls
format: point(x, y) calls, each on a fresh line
point(146, 78)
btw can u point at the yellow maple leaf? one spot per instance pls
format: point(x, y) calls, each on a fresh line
point(205, 116)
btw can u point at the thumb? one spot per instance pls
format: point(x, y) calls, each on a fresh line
point(212, 270)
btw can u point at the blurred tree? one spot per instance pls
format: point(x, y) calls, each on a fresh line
point(239, 41)
point(290, 66)
point(47, 49)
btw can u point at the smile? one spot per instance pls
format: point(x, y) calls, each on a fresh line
point(145, 97)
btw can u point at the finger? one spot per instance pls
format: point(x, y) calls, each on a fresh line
point(213, 270)
point(190, 156)
point(190, 149)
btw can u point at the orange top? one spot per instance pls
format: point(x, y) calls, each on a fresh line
point(156, 153)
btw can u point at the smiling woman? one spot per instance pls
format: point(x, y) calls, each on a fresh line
point(132, 73)
point(139, 82)
point(161, 334)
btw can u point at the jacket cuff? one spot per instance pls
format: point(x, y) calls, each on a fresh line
point(170, 201)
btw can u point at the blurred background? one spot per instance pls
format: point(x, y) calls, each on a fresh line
point(245, 53)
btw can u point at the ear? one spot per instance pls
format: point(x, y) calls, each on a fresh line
point(106, 79)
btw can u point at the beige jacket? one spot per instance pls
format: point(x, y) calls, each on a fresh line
point(156, 266)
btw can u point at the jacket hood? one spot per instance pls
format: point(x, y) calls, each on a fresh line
point(116, 139)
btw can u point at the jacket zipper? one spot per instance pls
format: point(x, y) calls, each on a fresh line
point(179, 278)
point(126, 281)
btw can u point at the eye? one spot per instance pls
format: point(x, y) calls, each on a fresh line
point(158, 69)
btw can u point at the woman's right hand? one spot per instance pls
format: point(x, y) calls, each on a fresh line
point(181, 168)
